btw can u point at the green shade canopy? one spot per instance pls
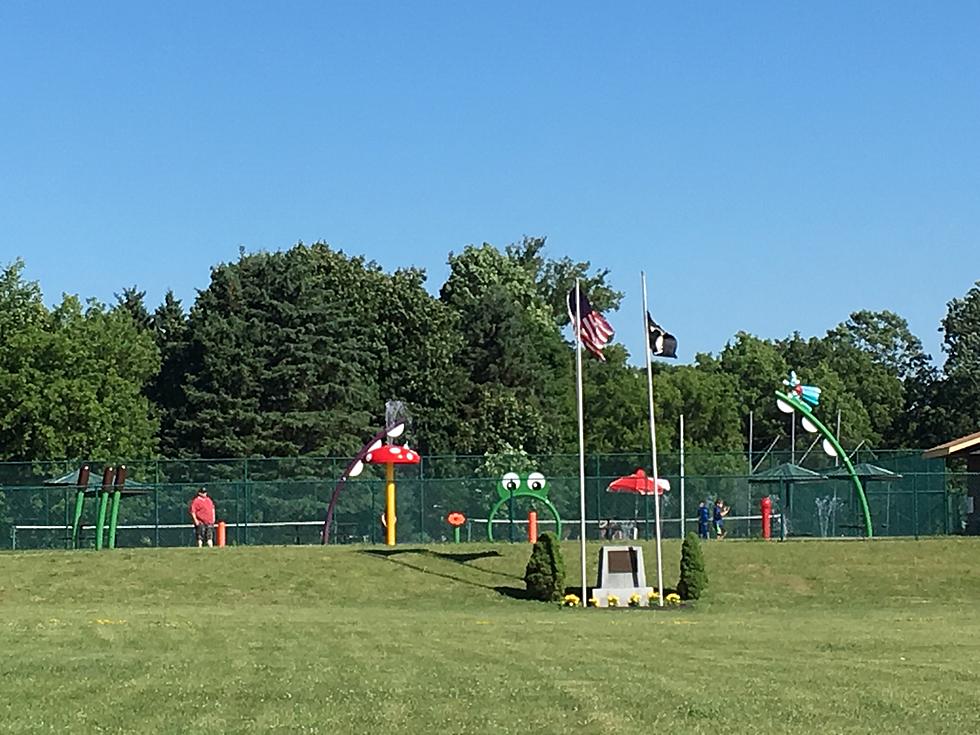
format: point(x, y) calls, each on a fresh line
point(786, 475)
point(866, 471)
point(787, 472)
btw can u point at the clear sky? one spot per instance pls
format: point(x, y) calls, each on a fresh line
point(731, 150)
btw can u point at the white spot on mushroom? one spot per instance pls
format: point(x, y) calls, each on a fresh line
point(396, 450)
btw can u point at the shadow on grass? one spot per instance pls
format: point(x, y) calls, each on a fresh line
point(389, 555)
point(463, 558)
point(460, 558)
point(514, 593)
point(391, 552)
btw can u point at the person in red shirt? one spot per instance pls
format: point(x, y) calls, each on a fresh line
point(202, 515)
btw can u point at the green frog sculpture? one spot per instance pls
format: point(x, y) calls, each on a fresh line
point(512, 486)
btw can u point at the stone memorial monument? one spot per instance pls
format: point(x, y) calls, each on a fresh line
point(621, 573)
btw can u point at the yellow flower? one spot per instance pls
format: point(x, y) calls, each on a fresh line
point(653, 595)
point(612, 601)
point(593, 602)
point(571, 601)
point(635, 600)
point(673, 599)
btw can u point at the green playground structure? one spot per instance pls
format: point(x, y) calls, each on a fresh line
point(108, 496)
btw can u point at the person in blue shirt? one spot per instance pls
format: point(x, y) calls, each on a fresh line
point(703, 520)
point(720, 511)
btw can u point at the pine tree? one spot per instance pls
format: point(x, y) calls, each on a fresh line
point(131, 301)
point(694, 578)
point(165, 390)
point(545, 572)
point(283, 352)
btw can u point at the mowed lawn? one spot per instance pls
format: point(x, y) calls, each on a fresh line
point(792, 637)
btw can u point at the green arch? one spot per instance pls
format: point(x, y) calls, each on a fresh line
point(544, 501)
point(804, 409)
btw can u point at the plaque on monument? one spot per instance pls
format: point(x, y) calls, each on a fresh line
point(621, 573)
point(622, 562)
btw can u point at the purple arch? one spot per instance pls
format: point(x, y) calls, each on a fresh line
point(359, 457)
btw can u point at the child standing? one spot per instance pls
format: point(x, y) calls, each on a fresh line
point(703, 520)
point(720, 511)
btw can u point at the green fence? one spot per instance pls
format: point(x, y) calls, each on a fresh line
point(284, 501)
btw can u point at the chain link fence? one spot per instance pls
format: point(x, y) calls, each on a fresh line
point(284, 501)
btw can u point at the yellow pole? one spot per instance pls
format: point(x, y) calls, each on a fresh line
point(389, 504)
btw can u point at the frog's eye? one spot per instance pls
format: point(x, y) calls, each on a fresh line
point(536, 481)
point(511, 481)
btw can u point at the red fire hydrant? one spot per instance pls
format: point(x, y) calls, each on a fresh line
point(765, 506)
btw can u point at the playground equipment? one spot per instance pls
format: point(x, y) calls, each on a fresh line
point(868, 472)
point(786, 475)
point(765, 508)
point(512, 486)
point(389, 455)
point(639, 484)
point(799, 398)
point(395, 424)
point(107, 495)
point(456, 520)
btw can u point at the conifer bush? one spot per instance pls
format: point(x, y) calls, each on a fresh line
point(545, 572)
point(694, 578)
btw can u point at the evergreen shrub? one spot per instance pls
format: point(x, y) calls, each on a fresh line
point(694, 578)
point(545, 572)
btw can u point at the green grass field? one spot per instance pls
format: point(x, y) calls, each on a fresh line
point(793, 637)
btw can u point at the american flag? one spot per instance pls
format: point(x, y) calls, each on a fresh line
point(595, 331)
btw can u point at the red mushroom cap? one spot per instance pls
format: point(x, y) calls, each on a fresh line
point(639, 483)
point(393, 454)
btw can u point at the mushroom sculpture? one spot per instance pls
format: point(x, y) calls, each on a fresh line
point(393, 429)
point(389, 455)
point(639, 484)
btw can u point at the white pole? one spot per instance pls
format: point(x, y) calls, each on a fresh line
point(653, 442)
point(683, 506)
point(792, 438)
point(581, 438)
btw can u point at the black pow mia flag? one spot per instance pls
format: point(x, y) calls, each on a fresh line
point(661, 342)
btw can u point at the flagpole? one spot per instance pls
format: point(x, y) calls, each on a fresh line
point(683, 519)
point(653, 442)
point(577, 328)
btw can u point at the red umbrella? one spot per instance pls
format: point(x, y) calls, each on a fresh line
point(639, 484)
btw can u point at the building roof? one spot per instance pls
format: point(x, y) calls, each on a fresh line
point(787, 472)
point(866, 471)
point(964, 445)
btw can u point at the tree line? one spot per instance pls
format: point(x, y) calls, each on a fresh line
point(295, 352)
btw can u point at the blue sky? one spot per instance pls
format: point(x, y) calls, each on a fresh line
point(731, 150)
